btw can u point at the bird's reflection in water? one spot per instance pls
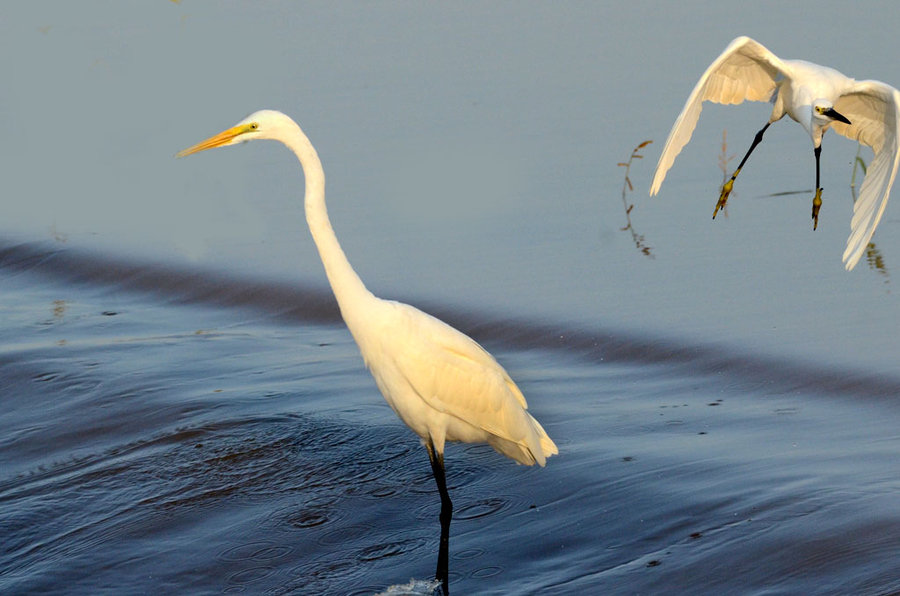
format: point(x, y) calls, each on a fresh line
point(442, 572)
point(875, 261)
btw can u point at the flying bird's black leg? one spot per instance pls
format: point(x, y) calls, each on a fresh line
point(817, 200)
point(726, 188)
point(437, 468)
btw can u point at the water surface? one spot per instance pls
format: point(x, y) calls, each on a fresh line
point(184, 411)
point(198, 435)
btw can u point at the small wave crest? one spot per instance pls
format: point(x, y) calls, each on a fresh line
point(415, 587)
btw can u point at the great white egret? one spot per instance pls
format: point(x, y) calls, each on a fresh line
point(818, 98)
point(440, 382)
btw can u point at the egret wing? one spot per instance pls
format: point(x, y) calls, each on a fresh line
point(746, 70)
point(456, 376)
point(873, 109)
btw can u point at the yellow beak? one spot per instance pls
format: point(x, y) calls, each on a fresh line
point(223, 138)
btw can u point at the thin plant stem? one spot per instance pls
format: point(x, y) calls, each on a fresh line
point(627, 187)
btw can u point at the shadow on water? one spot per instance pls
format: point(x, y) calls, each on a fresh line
point(293, 303)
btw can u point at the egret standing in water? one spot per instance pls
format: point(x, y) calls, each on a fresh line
point(440, 382)
point(818, 98)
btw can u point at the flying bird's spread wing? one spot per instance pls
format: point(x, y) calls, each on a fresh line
point(746, 70)
point(873, 108)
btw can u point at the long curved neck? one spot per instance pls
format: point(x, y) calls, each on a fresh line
point(345, 283)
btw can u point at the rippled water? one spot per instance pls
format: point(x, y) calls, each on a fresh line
point(179, 436)
point(182, 410)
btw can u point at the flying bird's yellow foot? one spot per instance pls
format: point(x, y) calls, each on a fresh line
point(723, 198)
point(817, 204)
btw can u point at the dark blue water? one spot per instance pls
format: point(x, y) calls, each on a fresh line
point(182, 411)
point(177, 430)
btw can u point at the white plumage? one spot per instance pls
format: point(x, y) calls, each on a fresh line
point(440, 382)
point(445, 386)
point(818, 98)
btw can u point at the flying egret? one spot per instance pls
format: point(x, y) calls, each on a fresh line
point(818, 98)
point(440, 382)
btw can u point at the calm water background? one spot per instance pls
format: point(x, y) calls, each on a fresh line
point(184, 411)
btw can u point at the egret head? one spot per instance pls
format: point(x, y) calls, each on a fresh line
point(264, 124)
point(824, 112)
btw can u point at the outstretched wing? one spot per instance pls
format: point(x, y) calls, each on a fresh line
point(874, 110)
point(746, 70)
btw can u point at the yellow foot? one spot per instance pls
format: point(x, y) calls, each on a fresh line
point(723, 198)
point(817, 204)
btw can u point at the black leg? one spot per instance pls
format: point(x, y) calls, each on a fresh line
point(817, 200)
point(726, 188)
point(437, 468)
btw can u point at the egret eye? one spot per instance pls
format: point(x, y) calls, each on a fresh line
point(254, 126)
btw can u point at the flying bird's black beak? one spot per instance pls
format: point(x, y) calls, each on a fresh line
point(835, 115)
